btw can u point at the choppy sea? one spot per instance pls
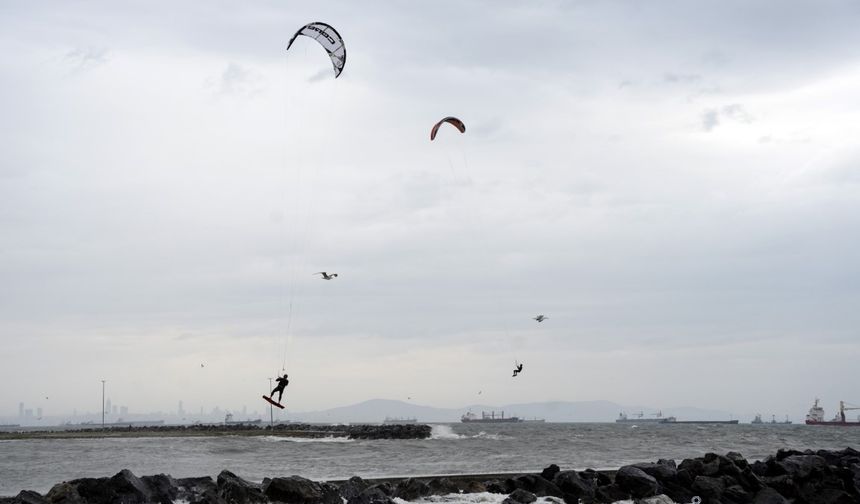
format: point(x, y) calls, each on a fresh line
point(452, 449)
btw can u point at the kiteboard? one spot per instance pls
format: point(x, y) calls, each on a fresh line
point(273, 402)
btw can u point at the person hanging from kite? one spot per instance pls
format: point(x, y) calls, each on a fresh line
point(282, 384)
point(518, 369)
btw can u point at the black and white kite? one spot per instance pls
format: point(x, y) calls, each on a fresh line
point(329, 38)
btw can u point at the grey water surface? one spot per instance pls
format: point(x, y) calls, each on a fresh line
point(453, 448)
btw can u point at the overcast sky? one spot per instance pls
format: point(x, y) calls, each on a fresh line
point(675, 184)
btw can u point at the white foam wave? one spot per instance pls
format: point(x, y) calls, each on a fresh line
point(287, 439)
point(446, 432)
point(495, 437)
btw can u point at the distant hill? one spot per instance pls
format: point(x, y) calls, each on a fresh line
point(375, 410)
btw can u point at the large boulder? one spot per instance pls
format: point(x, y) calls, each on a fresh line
point(25, 497)
point(201, 490)
point(708, 488)
point(737, 459)
point(785, 452)
point(657, 499)
point(813, 494)
point(411, 489)
point(129, 488)
point(442, 486)
point(769, 496)
point(520, 496)
point(549, 472)
point(611, 493)
point(64, 493)
point(636, 482)
point(239, 491)
point(801, 467)
point(534, 484)
point(676, 491)
point(372, 495)
point(660, 472)
point(784, 484)
point(298, 490)
point(93, 490)
point(736, 494)
point(476, 487)
point(572, 486)
point(352, 488)
point(162, 487)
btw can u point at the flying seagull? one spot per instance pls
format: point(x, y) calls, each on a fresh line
point(540, 318)
point(326, 276)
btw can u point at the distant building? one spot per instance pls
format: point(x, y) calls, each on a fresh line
point(115, 409)
point(180, 410)
point(38, 413)
point(20, 410)
point(123, 410)
point(107, 407)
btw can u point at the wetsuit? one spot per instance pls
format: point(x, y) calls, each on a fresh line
point(282, 384)
point(518, 369)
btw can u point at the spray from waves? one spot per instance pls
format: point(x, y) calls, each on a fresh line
point(446, 432)
point(286, 439)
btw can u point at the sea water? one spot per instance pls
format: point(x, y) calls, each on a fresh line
point(38, 464)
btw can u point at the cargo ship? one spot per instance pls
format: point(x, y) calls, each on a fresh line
point(491, 417)
point(816, 416)
point(399, 420)
point(640, 418)
point(660, 419)
point(228, 420)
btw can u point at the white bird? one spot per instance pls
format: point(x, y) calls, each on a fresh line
point(326, 276)
point(540, 318)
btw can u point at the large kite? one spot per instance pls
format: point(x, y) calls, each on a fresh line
point(453, 121)
point(329, 38)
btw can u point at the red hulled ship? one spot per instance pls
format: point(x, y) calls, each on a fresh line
point(816, 415)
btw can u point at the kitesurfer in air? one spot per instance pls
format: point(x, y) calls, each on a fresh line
point(518, 369)
point(282, 384)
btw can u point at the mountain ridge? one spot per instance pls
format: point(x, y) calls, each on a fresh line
point(376, 410)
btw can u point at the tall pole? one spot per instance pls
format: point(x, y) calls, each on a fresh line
point(103, 404)
point(271, 410)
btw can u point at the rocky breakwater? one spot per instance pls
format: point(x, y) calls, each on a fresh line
point(410, 431)
point(831, 477)
point(361, 431)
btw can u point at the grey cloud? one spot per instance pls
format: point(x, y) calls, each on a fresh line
point(238, 80)
point(737, 112)
point(146, 216)
point(681, 78)
point(85, 58)
point(733, 112)
point(710, 119)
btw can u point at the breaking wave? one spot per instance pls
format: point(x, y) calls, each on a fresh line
point(446, 432)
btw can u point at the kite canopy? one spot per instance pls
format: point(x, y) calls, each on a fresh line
point(453, 121)
point(329, 38)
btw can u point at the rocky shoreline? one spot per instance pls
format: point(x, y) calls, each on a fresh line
point(404, 431)
point(789, 476)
